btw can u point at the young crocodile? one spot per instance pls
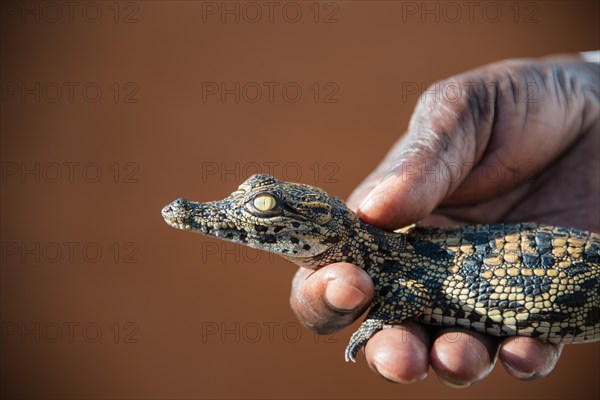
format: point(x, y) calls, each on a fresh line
point(501, 280)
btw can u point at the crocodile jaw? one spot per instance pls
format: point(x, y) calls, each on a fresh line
point(209, 219)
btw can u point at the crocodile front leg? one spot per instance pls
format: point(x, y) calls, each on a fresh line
point(398, 300)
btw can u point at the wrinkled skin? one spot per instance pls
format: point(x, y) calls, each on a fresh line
point(529, 154)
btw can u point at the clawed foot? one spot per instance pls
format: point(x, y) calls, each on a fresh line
point(366, 330)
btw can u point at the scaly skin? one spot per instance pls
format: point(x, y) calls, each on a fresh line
point(502, 280)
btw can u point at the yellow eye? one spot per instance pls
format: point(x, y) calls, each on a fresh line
point(264, 202)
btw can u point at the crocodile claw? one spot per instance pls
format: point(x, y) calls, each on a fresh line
point(359, 338)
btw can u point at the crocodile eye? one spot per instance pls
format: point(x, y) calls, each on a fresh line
point(264, 202)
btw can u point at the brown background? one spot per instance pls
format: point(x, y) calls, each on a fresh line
point(161, 313)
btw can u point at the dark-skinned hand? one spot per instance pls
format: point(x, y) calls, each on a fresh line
point(513, 141)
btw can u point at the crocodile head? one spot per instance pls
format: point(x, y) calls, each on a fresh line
point(300, 222)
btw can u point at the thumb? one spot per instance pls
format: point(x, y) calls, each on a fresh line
point(430, 161)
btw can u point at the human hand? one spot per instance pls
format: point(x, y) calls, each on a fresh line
point(513, 141)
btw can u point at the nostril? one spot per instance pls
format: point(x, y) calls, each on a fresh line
point(174, 207)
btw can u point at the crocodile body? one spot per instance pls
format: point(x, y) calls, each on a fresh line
point(502, 279)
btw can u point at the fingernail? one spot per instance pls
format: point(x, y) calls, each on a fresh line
point(366, 203)
point(518, 374)
point(455, 385)
point(343, 297)
point(397, 379)
point(377, 194)
point(372, 198)
point(403, 380)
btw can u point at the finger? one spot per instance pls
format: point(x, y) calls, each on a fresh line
point(461, 358)
point(444, 140)
point(332, 297)
point(359, 194)
point(528, 358)
point(400, 354)
point(362, 190)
